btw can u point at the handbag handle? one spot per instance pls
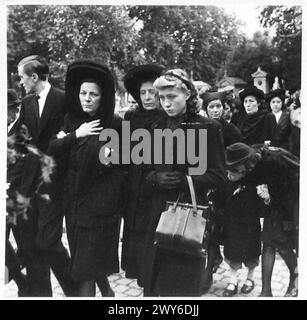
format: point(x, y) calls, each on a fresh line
point(192, 192)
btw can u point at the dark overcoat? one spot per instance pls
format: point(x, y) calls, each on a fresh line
point(283, 131)
point(280, 170)
point(242, 222)
point(169, 273)
point(136, 214)
point(231, 134)
point(258, 127)
point(92, 191)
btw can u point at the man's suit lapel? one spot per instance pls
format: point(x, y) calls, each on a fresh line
point(47, 110)
point(282, 118)
point(33, 114)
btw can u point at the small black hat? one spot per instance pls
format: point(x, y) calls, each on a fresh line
point(275, 93)
point(137, 75)
point(237, 153)
point(251, 91)
point(210, 96)
point(12, 98)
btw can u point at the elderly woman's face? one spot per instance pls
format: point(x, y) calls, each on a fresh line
point(276, 104)
point(215, 109)
point(251, 104)
point(149, 96)
point(90, 97)
point(173, 101)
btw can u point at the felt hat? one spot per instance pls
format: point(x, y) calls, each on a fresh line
point(237, 153)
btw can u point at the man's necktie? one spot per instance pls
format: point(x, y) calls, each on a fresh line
point(37, 108)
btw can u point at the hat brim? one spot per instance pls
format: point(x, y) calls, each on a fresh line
point(255, 92)
point(134, 77)
point(240, 161)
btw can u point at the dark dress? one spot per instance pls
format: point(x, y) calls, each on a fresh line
point(279, 169)
point(281, 137)
point(231, 134)
point(136, 214)
point(295, 140)
point(169, 273)
point(242, 224)
point(258, 127)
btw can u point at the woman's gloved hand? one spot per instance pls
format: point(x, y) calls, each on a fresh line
point(167, 180)
point(263, 192)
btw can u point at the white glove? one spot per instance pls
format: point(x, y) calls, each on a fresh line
point(61, 135)
point(263, 192)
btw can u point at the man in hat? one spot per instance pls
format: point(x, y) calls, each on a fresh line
point(42, 112)
point(276, 173)
point(13, 105)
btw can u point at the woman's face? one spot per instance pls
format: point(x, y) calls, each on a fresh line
point(215, 109)
point(149, 96)
point(237, 173)
point(173, 101)
point(227, 112)
point(276, 104)
point(90, 97)
point(251, 104)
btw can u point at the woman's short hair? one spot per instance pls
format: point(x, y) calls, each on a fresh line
point(178, 78)
point(35, 64)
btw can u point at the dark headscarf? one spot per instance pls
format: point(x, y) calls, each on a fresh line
point(77, 72)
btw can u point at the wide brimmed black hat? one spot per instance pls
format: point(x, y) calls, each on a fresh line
point(237, 153)
point(210, 96)
point(275, 93)
point(83, 69)
point(12, 98)
point(138, 75)
point(251, 91)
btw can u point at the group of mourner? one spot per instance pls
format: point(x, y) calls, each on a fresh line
point(252, 175)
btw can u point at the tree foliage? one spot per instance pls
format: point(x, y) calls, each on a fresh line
point(287, 22)
point(196, 38)
point(203, 40)
point(65, 33)
point(243, 60)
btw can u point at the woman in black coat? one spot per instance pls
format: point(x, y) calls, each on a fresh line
point(92, 191)
point(139, 83)
point(213, 104)
point(169, 273)
point(278, 169)
point(276, 100)
point(256, 124)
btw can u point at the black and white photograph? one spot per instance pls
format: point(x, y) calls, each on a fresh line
point(153, 151)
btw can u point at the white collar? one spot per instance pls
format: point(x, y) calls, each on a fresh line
point(43, 94)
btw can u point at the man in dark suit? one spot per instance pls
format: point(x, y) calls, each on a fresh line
point(42, 111)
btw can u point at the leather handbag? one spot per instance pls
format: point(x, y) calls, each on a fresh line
point(182, 226)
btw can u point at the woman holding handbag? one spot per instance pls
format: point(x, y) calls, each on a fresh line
point(171, 273)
